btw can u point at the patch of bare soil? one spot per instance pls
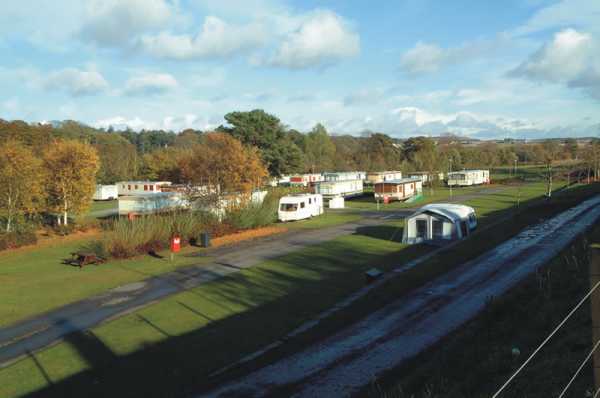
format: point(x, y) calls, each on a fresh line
point(247, 235)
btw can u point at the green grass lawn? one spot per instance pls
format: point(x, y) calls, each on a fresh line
point(203, 329)
point(103, 205)
point(367, 202)
point(328, 219)
point(34, 280)
point(220, 321)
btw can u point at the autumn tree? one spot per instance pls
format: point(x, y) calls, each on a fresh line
point(21, 178)
point(118, 158)
point(550, 151)
point(72, 168)
point(164, 164)
point(222, 161)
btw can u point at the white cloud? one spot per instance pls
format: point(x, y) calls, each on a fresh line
point(75, 81)
point(571, 57)
point(426, 58)
point(583, 14)
point(217, 38)
point(114, 22)
point(323, 38)
point(150, 84)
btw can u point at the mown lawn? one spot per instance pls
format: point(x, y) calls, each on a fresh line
point(33, 280)
point(330, 218)
point(173, 345)
point(367, 202)
point(211, 325)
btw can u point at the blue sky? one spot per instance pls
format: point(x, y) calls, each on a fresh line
point(528, 68)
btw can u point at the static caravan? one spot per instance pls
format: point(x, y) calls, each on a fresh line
point(141, 187)
point(426, 177)
point(343, 176)
point(299, 207)
point(105, 192)
point(468, 177)
point(305, 180)
point(149, 203)
point(439, 222)
point(375, 177)
point(401, 189)
point(344, 188)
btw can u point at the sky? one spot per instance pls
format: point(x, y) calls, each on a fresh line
point(501, 69)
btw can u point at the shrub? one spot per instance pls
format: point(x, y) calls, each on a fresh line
point(17, 238)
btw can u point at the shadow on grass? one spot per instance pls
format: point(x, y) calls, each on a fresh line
point(384, 232)
point(275, 301)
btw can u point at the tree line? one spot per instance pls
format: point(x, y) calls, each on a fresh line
point(54, 168)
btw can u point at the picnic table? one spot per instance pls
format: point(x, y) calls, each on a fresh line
point(84, 258)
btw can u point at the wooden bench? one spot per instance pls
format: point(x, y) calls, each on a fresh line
point(82, 258)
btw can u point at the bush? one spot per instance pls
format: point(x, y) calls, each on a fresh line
point(254, 215)
point(18, 238)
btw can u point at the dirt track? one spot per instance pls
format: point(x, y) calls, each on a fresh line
point(343, 363)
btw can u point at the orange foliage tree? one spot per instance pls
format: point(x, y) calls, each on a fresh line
point(72, 168)
point(221, 161)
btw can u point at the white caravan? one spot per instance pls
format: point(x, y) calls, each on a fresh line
point(344, 176)
point(374, 177)
point(105, 192)
point(346, 189)
point(141, 187)
point(468, 177)
point(300, 207)
point(439, 222)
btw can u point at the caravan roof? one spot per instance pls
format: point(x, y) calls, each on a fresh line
point(400, 181)
point(451, 211)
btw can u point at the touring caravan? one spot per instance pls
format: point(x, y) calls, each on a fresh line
point(439, 222)
point(468, 177)
point(105, 192)
point(299, 207)
point(141, 187)
point(401, 189)
point(374, 177)
point(345, 188)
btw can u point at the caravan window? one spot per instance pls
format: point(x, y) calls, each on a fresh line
point(289, 207)
point(438, 229)
point(309, 200)
point(422, 229)
point(463, 228)
point(302, 205)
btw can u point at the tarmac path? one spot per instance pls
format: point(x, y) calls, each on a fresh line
point(345, 362)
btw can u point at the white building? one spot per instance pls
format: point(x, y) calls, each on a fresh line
point(141, 187)
point(468, 177)
point(344, 188)
point(374, 177)
point(105, 192)
point(401, 189)
point(299, 207)
point(439, 222)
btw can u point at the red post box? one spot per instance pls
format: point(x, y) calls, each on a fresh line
point(175, 244)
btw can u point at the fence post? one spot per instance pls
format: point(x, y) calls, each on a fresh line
point(595, 308)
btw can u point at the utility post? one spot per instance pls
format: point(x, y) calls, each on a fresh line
point(448, 178)
point(595, 308)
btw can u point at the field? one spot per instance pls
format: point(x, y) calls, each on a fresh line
point(264, 302)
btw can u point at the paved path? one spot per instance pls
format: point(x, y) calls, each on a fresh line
point(38, 332)
point(350, 359)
